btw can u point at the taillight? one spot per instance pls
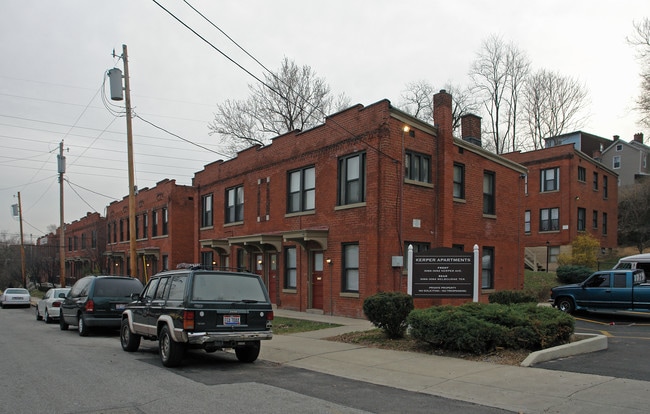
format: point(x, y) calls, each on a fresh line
point(269, 316)
point(89, 306)
point(188, 320)
point(57, 304)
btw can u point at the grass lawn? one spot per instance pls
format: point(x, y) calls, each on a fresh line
point(285, 326)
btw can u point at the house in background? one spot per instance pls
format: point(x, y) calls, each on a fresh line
point(324, 215)
point(589, 144)
point(165, 230)
point(85, 241)
point(628, 159)
point(567, 193)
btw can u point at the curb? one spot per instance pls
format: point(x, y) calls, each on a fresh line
point(583, 344)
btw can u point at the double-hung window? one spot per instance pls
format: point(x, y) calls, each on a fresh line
point(290, 268)
point(487, 268)
point(550, 180)
point(459, 181)
point(301, 193)
point(352, 179)
point(549, 219)
point(582, 174)
point(206, 211)
point(582, 217)
point(165, 220)
point(350, 268)
point(417, 167)
point(235, 204)
point(489, 202)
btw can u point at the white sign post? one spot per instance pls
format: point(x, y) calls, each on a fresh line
point(477, 269)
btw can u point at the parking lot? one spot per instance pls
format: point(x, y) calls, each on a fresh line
point(627, 356)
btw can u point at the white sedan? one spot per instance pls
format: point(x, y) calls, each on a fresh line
point(15, 297)
point(48, 308)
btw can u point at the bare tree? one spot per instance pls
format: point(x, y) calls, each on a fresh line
point(417, 100)
point(552, 105)
point(497, 75)
point(641, 40)
point(634, 215)
point(294, 98)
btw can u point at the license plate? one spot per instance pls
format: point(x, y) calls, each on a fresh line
point(120, 306)
point(231, 319)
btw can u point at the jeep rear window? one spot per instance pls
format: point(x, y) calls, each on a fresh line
point(227, 288)
point(117, 288)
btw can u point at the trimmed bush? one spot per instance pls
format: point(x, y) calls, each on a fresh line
point(388, 311)
point(573, 274)
point(480, 328)
point(508, 297)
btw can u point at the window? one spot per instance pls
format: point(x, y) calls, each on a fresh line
point(488, 193)
point(108, 233)
point(302, 190)
point(604, 224)
point(206, 210)
point(165, 220)
point(549, 219)
point(154, 224)
point(177, 288)
point(69, 244)
point(241, 259)
point(582, 216)
point(487, 268)
point(644, 160)
point(601, 280)
point(235, 204)
point(527, 221)
point(605, 186)
point(459, 181)
point(595, 181)
point(121, 230)
point(594, 219)
point(550, 179)
point(145, 225)
point(207, 259)
point(350, 268)
point(290, 268)
point(582, 174)
point(417, 167)
point(352, 179)
point(137, 227)
point(165, 262)
point(114, 232)
point(619, 147)
point(83, 241)
point(417, 248)
point(93, 239)
point(616, 162)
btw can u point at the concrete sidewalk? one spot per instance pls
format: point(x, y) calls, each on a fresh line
point(518, 389)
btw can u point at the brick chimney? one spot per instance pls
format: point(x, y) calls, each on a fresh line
point(470, 125)
point(442, 117)
point(638, 137)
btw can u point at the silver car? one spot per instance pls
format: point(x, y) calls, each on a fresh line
point(49, 307)
point(15, 297)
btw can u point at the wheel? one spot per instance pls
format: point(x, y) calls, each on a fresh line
point(248, 352)
point(81, 325)
point(171, 353)
point(565, 304)
point(64, 326)
point(48, 318)
point(38, 315)
point(130, 341)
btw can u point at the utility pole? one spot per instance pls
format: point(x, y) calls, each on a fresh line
point(61, 169)
point(22, 243)
point(117, 96)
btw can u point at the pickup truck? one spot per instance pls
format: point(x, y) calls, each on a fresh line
point(605, 291)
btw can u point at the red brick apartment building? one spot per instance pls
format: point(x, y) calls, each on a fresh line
point(162, 211)
point(567, 193)
point(324, 215)
point(85, 241)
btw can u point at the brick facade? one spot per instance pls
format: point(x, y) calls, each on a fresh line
point(85, 241)
point(576, 184)
point(162, 211)
point(331, 255)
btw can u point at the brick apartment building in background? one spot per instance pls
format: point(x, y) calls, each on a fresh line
point(85, 241)
point(322, 214)
point(165, 230)
point(568, 193)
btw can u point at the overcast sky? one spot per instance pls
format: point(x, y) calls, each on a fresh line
point(55, 54)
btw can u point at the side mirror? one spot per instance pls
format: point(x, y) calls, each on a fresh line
point(135, 296)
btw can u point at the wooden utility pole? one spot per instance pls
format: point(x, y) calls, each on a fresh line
point(22, 243)
point(129, 140)
point(61, 167)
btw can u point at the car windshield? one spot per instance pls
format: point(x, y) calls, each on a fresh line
point(17, 291)
point(117, 288)
point(227, 288)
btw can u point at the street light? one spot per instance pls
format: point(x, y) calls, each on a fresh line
point(329, 262)
point(547, 248)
